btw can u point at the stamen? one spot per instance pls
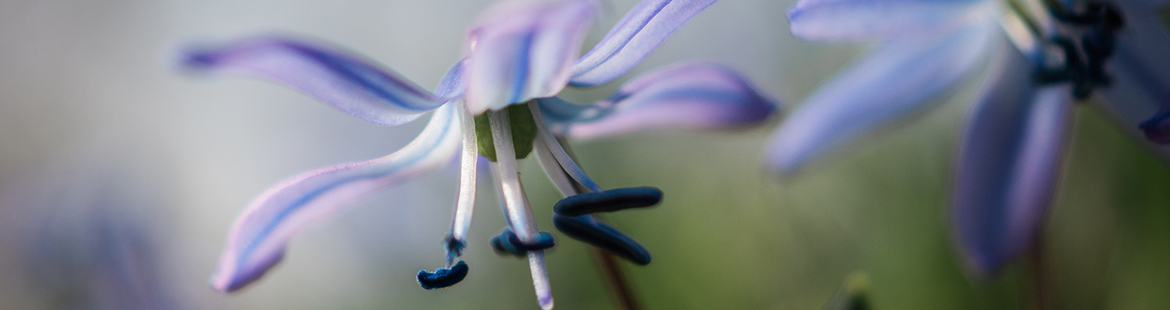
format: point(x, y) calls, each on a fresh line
point(608, 201)
point(465, 203)
point(558, 152)
point(516, 205)
point(508, 243)
point(553, 170)
point(588, 230)
point(442, 277)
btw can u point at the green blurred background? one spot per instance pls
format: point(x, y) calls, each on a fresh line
point(88, 99)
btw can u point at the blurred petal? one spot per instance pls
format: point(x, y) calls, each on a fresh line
point(1008, 164)
point(1139, 71)
point(260, 234)
point(691, 96)
point(890, 19)
point(633, 38)
point(522, 52)
point(347, 83)
point(890, 83)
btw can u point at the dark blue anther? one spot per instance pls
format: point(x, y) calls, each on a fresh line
point(454, 246)
point(508, 243)
point(442, 277)
point(608, 201)
point(588, 230)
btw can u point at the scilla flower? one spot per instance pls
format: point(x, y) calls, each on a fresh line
point(1017, 127)
point(518, 56)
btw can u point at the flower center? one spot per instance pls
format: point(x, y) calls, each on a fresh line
point(1085, 44)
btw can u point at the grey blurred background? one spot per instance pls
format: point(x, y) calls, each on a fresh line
point(119, 178)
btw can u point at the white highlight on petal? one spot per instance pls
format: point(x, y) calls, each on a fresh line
point(262, 231)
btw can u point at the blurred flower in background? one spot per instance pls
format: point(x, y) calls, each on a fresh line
point(1019, 124)
point(85, 233)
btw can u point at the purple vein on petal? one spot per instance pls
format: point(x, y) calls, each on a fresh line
point(638, 34)
point(1008, 165)
point(260, 234)
point(892, 82)
point(522, 52)
point(347, 83)
point(688, 96)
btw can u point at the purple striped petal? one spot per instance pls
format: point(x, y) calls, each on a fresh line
point(523, 51)
point(347, 83)
point(1008, 164)
point(690, 96)
point(835, 20)
point(1140, 73)
point(260, 234)
point(641, 31)
point(897, 79)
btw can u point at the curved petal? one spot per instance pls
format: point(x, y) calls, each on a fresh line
point(692, 96)
point(641, 31)
point(1139, 71)
point(890, 83)
point(1008, 165)
point(260, 234)
point(835, 20)
point(524, 51)
point(347, 83)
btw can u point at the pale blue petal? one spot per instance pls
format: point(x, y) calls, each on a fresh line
point(260, 234)
point(633, 38)
point(836, 20)
point(890, 83)
point(524, 51)
point(689, 96)
point(1139, 71)
point(1008, 165)
point(347, 83)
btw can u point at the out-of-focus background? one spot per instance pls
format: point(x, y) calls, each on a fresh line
point(119, 178)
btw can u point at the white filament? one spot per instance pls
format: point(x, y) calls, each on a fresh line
point(516, 204)
point(554, 147)
point(552, 169)
point(1018, 33)
point(465, 203)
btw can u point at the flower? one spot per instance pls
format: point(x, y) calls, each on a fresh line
point(1016, 130)
point(518, 56)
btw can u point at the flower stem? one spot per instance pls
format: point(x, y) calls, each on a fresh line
point(1040, 289)
point(616, 281)
point(619, 288)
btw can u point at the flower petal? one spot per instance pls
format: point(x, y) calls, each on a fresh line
point(1008, 164)
point(890, 83)
point(1139, 72)
point(260, 234)
point(522, 52)
point(347, 83)
point(835, 20)
point(692, 96)
point(641, 31)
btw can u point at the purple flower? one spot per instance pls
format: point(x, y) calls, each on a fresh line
point(1018, 124)
point(518, 57)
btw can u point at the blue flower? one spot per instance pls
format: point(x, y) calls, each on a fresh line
point(518, 57)
point(1017, 126)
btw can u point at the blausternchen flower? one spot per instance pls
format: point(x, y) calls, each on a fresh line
point(1044, 55)
point(497, 102)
